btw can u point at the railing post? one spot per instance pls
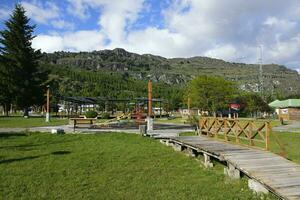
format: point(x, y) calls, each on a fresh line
point(225, 129)
point(250, 133)
point(200, 126)
point(215, 126)
point(267, 138)
point(235, 130)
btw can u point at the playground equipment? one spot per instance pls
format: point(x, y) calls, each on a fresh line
point(132, 118)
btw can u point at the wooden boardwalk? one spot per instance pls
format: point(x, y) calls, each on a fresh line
point(277, 174)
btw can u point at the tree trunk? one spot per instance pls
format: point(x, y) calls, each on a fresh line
point(26, 112)
point(6, 111)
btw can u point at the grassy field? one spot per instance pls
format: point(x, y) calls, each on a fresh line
point(177, 120)
point(21, 122)
point(291, 142)
point(107, 166)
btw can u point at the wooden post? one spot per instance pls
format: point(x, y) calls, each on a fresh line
point(149, 98)
point(250, 133)
point(267, 127)
point(200, 126)
point(149, 118)
point(225, 129)
point(235, 130)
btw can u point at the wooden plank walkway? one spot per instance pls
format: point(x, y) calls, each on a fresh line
point(279, 175)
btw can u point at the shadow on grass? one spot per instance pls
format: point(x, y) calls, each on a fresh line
point(33, 157)
point(4, 135)
point(36, 145)
point(21, 159)
point(60, 152)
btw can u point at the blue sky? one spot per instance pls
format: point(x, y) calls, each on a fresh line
point(229, 29)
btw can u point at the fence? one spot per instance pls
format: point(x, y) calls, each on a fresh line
point(252, 133)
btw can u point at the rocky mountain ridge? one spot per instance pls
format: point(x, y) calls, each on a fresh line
point(276, 78)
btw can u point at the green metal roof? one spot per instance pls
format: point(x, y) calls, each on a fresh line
point(285, 103)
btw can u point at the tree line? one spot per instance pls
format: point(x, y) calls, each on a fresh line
point(215, 94)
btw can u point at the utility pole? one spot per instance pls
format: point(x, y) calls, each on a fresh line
point(48, 104)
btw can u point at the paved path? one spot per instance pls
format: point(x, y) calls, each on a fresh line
point(166, 130)
point(293, 127)
point(277, 174)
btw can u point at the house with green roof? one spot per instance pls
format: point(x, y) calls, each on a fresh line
point(287, 109)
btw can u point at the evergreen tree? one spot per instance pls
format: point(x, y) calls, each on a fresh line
point(20, 77)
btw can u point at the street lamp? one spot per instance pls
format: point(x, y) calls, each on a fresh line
point(48, 104)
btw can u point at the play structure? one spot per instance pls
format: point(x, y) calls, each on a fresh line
point(131, 111)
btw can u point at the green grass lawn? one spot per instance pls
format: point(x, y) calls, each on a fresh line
point(177, 120)
point(107, 166)
point(291, 142)
point(21, 122)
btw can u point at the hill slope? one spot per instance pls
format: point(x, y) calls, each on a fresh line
point(277, 79)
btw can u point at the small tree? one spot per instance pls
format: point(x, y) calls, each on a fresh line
point(19, 71)
point(210, 93)
point(252, 104)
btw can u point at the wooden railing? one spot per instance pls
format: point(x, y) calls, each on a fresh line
point(252, 133)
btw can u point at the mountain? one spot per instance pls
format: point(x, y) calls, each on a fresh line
point(277, 79)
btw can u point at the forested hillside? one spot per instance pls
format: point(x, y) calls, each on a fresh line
point(66, 81)
point(123, 66)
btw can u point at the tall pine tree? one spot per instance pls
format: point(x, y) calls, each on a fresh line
point(20, 78)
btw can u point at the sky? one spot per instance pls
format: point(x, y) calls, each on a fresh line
point(232, 30)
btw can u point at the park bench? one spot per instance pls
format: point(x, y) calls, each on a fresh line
point(88, 122)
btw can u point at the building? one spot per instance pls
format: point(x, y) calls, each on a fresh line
point(287, 109)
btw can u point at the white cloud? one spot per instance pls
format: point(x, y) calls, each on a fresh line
point(115, 15)
point(156, 41)
point(39, 12)
point(227, 29)
point(280, 24)
point(82, 40)
point(48, 43)
point(62, 24)
point(226, 52)
point(48, 13)
point(78, 8)
point(283, 51)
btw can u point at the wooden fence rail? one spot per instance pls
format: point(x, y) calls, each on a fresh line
point(242, 132)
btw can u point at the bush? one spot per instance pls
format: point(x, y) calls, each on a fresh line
point(193, 121)
point(91, 114)
point(105, 115)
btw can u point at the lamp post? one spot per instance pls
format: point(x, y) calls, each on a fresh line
point(48, 104)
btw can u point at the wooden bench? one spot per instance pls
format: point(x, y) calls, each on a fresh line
point(83, 121)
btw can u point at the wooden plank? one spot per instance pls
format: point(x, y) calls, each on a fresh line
point(280, 175)
point(289, 190)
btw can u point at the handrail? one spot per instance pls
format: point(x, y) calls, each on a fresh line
point(242, 131)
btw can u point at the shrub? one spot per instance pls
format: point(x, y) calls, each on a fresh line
point(91, 114)
point(105, 115)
